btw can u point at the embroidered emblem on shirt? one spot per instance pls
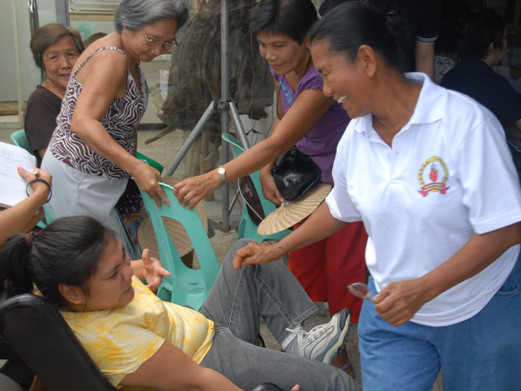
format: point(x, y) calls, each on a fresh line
point(433, 176)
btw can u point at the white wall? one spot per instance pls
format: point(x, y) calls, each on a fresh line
point(29, 72)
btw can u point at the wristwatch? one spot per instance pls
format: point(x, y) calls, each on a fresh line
point(222, 173)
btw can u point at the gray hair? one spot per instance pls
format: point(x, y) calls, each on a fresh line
point(136, 14)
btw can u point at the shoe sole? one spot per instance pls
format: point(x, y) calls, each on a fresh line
point(341, 342)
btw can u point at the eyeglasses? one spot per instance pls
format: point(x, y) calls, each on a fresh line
point(154, 42)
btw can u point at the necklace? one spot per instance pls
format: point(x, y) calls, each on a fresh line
point(306, 69)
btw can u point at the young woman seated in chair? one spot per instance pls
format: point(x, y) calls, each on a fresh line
point(138, 340)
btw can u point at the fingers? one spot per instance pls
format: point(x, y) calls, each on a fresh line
point(162, 197)
point(145, 256)
point(241, 257)
point(278, 198)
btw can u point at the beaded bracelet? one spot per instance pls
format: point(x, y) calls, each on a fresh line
point(39, 180)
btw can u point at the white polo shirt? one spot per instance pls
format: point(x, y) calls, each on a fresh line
point(448, 175)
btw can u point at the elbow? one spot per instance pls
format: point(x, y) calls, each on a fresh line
point(77, 125)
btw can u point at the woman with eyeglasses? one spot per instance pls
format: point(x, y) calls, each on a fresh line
point(92, 152)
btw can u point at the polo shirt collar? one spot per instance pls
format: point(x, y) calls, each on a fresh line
point(429, 98)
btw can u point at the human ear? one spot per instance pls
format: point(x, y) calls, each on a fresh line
point(72, 294)
point(367, 58)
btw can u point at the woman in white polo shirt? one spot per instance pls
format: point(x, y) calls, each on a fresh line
point(429, 173)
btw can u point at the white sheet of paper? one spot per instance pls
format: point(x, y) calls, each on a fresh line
point(12, 185)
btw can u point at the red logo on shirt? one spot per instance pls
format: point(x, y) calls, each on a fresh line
point(429, 176)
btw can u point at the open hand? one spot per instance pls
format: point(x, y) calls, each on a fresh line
point(196, 188)
point(153, 272)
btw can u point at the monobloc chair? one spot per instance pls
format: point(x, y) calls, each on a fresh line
point(20, 139)
point(43, 340)
point(247, 228)
point(186, 286)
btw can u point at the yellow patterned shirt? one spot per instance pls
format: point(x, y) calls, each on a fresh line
point(120, 340)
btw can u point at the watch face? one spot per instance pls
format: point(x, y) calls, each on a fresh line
point(221, 170)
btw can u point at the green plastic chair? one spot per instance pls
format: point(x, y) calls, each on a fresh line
point(20, 139)
point(149, 161)
point(186, 286)
point(85, 29)
point(247, 228)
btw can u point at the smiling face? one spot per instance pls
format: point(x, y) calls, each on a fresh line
point(58, 60)
point(110, 286)
point(160, 31)
point(282, 53)
point(344, 80)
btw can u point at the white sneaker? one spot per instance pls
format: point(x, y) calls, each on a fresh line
point(324, 341)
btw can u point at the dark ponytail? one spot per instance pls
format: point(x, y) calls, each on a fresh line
point(353, 24)
point(15, 267)
point(67, 252)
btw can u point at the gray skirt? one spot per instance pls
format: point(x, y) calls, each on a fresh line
point(75, 193)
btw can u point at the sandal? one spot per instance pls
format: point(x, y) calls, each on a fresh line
point(341, 360)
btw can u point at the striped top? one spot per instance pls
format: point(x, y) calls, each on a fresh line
point(120, 120)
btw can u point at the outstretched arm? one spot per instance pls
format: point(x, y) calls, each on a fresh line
point(100, 88)
point(308, 108)
point(318, 226)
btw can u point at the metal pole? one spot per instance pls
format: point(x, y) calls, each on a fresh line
point(34, 22)
point(62, 12)
point(225, 96)
point(234, 113)
point(18, 63)
point(189, 141)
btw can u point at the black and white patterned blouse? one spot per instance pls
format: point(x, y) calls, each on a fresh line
point(120, 120)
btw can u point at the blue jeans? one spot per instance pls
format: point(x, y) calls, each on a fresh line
point(480, 353)
point(235, 302)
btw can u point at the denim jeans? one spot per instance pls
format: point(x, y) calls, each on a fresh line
point(235, 302)
point(480, 353)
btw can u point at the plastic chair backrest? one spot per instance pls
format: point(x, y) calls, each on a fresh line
point(43, 340)
point(85, 29)
point(186, 286)
point(20, 139)
point(247, 228)
point(150, 162)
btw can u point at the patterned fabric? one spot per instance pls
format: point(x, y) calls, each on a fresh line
point(120, 120)
point(120, 340)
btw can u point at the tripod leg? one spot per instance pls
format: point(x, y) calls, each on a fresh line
point(190, 140)
point(239, 129)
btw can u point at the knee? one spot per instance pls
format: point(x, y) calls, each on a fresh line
point(228, 260)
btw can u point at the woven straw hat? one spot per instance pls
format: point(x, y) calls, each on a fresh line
point(182, 243)
point(291, 212)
